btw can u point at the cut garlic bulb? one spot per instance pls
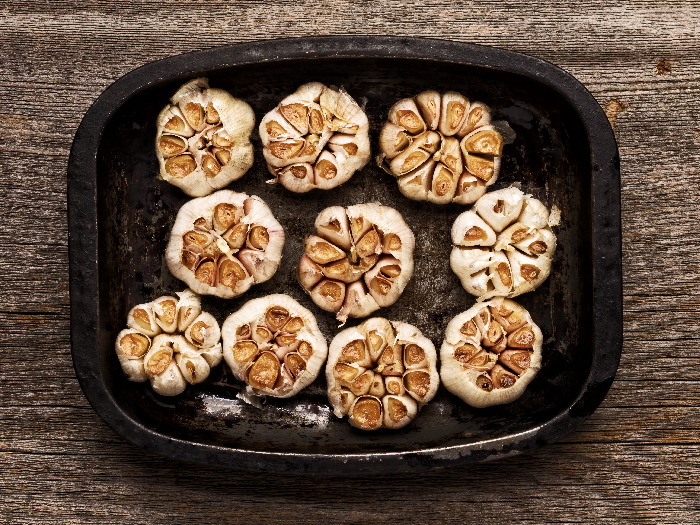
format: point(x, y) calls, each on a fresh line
point(274, 345)
point(224, 243)
point(360, 260)
point(503, 246)
point(202, 141)
point(490, 353)
point(170, 342)
point(380, 373)
point(315, 138)
point(441, 148)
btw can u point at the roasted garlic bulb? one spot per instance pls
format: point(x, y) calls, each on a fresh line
point(224, 243)
point(490, 353)
point(360, 259)
point(170, 342)
point(274, 345)
point(504, 245)
point(315, 138)
point(441, 148)
point(202, 141)
point(380, 373)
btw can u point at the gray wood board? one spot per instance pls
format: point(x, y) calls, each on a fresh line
point(636, 459)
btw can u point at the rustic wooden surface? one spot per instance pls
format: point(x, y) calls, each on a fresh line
point(637, 459)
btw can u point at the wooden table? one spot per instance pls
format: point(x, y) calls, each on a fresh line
point(635, 460)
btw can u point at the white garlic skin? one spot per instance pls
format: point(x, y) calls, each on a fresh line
point(250, 314)
point(237, 119)
point(258, 265)
point(376, 336)
point(461, 381)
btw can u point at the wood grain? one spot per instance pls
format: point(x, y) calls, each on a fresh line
point(635, 460)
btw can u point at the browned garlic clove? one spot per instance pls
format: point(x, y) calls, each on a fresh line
point(481, 373)
point(202, 139)
point(315, 138)
point(520, 258)
point(441, 148)
point(242, 248)
point(274, 345)
point(379, 373)
point(361, 259)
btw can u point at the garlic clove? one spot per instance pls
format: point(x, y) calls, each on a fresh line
point(485, 168)
point(419, 151)
point(500, 208)
point(341, 400)
point(399, 411)
point(479, 116)
point(405, 114)
point(170, 381)
point(528, 272)
point(469, 189)
point(309, 273)
point(131, 344)
point(329, 295)
point(212, 355)
point(358, 303)
point(444, 185)
point(321, 251)
point(379, 333)
point(454, 110)
point(471, 230)
point(204, 331)
point(298, 177)
point(416, 184)
point(142, 318)
point(283, 361)
point(332, 225)
point(394, 385)
point(429, 103)
point(366, 413)
point(381, 280)
point(483, 141)
point(193, 366)
point(165, 310)
point(516, 360)
point(173, 122)
point(393, 139)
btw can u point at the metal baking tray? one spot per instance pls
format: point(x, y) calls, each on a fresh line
point(120, 216)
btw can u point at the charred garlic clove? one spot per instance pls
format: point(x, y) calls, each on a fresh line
point(315, 138)
point(360, 259)
point(481, 371)
point(274, 345)
point(170, 342)
point(504, 245)
point(202, 140)
point(441, 148)
point(224, 243)
point(380, 373)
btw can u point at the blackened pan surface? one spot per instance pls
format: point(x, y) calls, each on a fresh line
point(120, 217)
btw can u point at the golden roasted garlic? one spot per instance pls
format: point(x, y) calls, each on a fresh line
point(380, 373)
point(441, 148)
point(202, 142)
point(490, 353)
point(315, 138)
point(224, 243)
point(170, 342)
point(360, 259)
point(503, 245)
point(274, 345)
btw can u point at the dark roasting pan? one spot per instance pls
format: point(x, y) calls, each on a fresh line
point(120, 216)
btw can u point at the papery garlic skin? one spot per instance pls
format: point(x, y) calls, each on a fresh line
point(380, 373)
point(202, 141)
point(471, 370)
point(360, 260)
point(504, 245)
point(284, 360)
point(182, 347)
point(224, 243)
point(316, 137)
point(441, 148)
